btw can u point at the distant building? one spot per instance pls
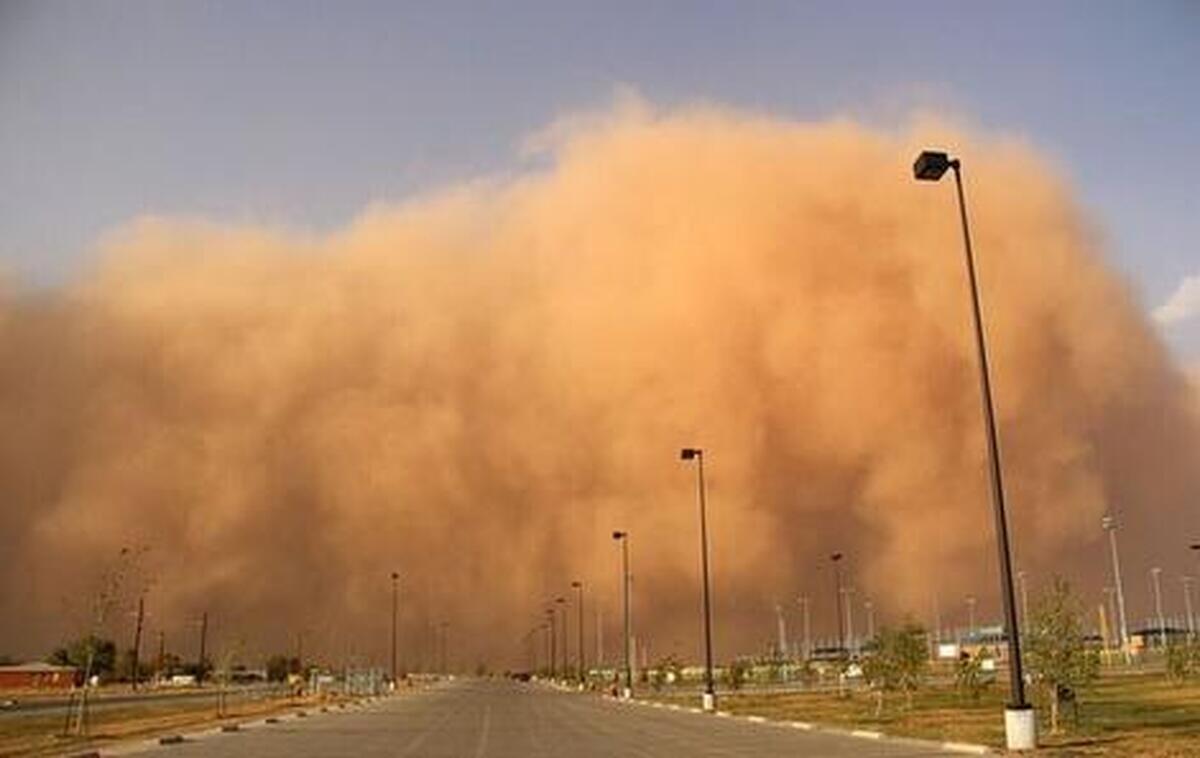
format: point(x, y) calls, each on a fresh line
point(1151, 637)
point(39, 676)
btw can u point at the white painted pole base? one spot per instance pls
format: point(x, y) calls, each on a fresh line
point(708, 701)
point(626, 693)
point(1020, 728)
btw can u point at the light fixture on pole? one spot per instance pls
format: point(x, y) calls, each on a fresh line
point(623, 538)
point(1020, 725)
point(1109, 525)
point(578, 586)
point(1158, 607)
point(709, 700)
point(395, 599)
point(836, 559)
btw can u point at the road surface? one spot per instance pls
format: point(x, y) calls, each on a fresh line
point(498, 719)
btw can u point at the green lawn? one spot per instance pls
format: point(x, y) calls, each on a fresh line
point(1135, 715)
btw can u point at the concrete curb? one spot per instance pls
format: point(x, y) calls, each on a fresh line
point(164, 742)
point(862, 734)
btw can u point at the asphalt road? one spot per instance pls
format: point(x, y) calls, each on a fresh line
point(497, 719)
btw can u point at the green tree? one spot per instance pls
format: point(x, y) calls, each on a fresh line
point(898, 663)
point(736, 673)
point(279, 666)
point(103, 655)
point(969, 676)
point(1057, 654)
point(667, 671)
point(1183, 659)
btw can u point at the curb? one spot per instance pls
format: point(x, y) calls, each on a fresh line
point(862, 734)
point(165, 741)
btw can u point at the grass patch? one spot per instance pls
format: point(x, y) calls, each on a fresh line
point(1126, 715)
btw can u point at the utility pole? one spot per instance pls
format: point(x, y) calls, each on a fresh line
point(870, 609)
point(971, 632)
point(137, 639)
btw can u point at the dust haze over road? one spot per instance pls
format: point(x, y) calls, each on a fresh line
point(476, 386)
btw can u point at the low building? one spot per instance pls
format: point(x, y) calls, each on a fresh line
point(39, 676)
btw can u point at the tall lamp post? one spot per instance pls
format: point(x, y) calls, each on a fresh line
point(561, 603)
point(623, 538)
point(805, 621)
point(709, 700)
point(1110, 525)
point(395, 602)
point(1158, 607)
point(552, 617)
point(579, 602)
point(836, 559)
point(1019, 722)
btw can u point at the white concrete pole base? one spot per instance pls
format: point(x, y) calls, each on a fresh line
point(1020, 728)
point(708, 701)
point(626, 693)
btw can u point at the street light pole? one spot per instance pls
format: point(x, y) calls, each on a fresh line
point(807, 627)
point(848, 603)
point(1019, 721)
point(395, 604)
point(623, 538)
point(709, 700)
point(1024, 602)
point(836, 558)
point(561, 603)
point(553, 617)
point(971, 617)
point(1187, 601)
point(579, 602)
point(1158, 609)
point(1110, 525)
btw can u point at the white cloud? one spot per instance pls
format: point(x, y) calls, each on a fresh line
point(1182, 305)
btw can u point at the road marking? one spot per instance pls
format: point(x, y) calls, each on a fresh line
point(801, 725)
point(484, 731)
point(866, 735)
point(756, 719)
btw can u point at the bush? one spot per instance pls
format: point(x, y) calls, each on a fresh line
point(1183, 659)
point(736, 673)
point(898, 663)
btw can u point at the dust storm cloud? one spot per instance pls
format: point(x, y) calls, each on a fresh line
point(475, 387)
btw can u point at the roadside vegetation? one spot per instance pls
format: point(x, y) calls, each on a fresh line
point(1152, 709)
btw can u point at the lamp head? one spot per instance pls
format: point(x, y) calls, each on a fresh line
point(620, 535)
point(835, 557)
point(576, 585)
point(689, 453)
point(930, 165)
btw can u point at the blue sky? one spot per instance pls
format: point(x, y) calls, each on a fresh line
point(302, 113)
